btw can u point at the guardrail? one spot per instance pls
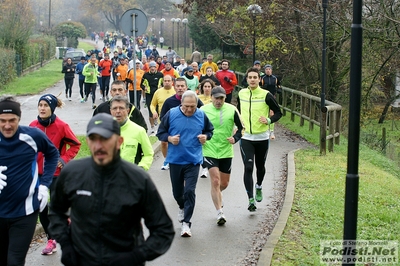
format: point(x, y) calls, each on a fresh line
point(307, 108)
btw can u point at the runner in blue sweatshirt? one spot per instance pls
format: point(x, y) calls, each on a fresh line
point(22, 193)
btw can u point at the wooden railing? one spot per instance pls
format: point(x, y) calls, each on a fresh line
point(307, 108)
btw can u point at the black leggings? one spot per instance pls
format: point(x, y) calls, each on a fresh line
point(228, 98)
point(132, 98)
point(15, 237)
point(105, 85)
point(81, 89)
point(90, 87)
point(253, 151)
point(68, 86)
point(44, 215)
point(149, 98)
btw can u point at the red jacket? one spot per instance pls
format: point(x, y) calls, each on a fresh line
point(228, 86)
point(106, 67)
point(60, 134)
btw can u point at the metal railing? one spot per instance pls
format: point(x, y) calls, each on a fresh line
point(307, 108)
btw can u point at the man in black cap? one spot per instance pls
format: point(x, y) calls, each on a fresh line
point(218, 152)
point(22, 193)
point(257, 64)
point(270, 83)
point(108, 198)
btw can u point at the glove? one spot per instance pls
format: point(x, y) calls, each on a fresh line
point(43, 196)
point(3, 178)
point(118, 74)
point(227, 79)
point(68, 256)
point(125, 259)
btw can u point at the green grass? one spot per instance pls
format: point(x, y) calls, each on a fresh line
point(372, 135)
point(36, 81)
point(84, 150)
point(41, 79)
point(87, 46)
point(318, 207)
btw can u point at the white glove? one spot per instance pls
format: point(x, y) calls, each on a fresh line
point(3, 178)
point(43, 196)
point(118, 74)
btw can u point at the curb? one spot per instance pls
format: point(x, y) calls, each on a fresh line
point(268, 249)
point(39, 229)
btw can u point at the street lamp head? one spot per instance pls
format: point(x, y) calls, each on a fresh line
point(254, 10)
point(162, 20)
point(178, 20)
point(153, 19)
point(173, 20)
point(185, 21)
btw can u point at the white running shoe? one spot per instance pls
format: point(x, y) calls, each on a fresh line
point(221, 220)
point(165, 166)
point(272, 135)
point(204, 173)
point(181, 215)
point(185, 232)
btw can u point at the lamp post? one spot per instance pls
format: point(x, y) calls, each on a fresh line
point(323, 117)
point(254, 10)
point(152, 24)
point(49, 14)
point(185, 22)
point(162, 20)
point(173, 35)
point(178, 20)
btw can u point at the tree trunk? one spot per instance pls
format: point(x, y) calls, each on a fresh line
point(384, 112)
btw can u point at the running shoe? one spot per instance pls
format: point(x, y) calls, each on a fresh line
point(185, 232)
point(165, 166)
point(181, 215)
point(50, 247)
point(259, 194)
point(204, 173)
point(252, 205)
point(272, 135)
point(221, 220)
point(94, 106)
point(82, 100)
point(152, 130)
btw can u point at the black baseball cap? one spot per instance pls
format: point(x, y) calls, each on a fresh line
point(104, 125)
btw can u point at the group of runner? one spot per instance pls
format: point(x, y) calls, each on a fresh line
point(198, 126)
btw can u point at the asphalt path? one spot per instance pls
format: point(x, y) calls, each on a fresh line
point(231, 244)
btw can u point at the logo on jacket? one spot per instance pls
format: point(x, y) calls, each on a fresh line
point(84, 193)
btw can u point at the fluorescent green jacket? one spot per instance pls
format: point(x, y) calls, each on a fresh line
point(223, 121)
point(134, 134)
point(90, 72)
point(252, 106)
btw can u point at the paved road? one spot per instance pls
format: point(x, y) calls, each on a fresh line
point(211, 244)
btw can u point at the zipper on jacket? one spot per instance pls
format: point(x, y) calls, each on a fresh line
point(251, 128)
point(100, 215)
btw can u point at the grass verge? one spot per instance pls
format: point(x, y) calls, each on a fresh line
point(318, 207)
point(41, 79)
